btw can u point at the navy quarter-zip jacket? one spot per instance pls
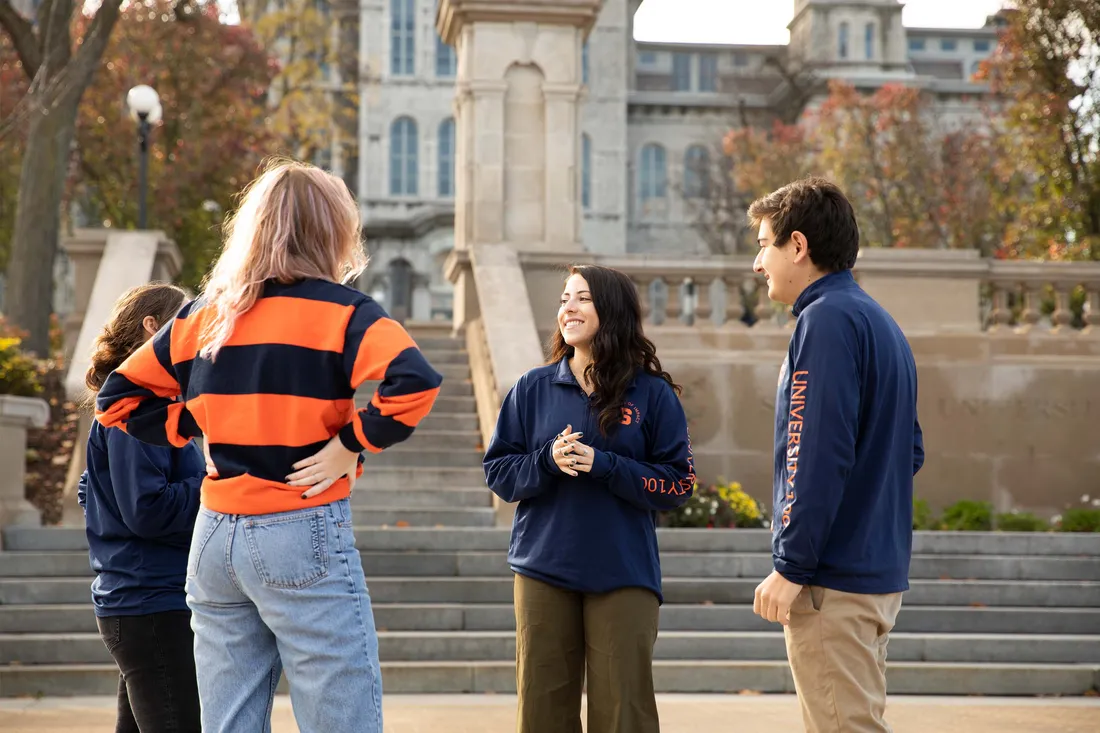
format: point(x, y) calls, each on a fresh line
point(847, 444)
point(595, 532)
point(140, 502)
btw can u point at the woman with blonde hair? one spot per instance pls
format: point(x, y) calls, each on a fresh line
point(140, 503)
point(266, 363)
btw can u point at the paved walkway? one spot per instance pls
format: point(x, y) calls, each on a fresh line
point(679, 714)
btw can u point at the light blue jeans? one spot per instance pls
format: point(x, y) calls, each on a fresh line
point(283, 590)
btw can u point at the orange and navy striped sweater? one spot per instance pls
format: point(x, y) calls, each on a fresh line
point(281, 387)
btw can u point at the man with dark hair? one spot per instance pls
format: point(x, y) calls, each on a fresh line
point(847, 445)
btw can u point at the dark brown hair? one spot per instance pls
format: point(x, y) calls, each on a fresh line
point(124, 331)
point(619, 348)
point(820, 210)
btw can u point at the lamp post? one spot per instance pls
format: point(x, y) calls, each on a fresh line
point(144, 105)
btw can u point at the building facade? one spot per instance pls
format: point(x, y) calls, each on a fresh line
point(652, 117)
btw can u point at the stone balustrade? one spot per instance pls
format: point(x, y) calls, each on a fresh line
point(949, 291)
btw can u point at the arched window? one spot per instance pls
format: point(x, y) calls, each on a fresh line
point(447, 158)
point(653, 173)
point(403, 157)
point(696, 172)
point(586, 171)
point(402, 37)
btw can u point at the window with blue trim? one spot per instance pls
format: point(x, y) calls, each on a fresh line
point(446, 63)
point(681, 72)
point(403, 157)
point(653, 173)
point(447, 158)
point(696, 172)
point(586, 171)
point(402, 37)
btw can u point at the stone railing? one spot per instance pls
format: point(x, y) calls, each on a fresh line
point(948, 291)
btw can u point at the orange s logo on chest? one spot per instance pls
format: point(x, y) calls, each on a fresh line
point(631, 414)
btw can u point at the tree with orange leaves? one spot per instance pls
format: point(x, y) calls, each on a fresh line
point(1047, 70)
point(212, 79)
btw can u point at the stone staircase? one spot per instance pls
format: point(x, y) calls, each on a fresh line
point(988, 613)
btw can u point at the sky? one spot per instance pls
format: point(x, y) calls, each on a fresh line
point(765, 21)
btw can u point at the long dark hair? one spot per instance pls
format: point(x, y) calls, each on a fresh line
point(619, 348)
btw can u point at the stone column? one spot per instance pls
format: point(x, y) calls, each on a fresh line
point(17, 415)
point(508, 50)
point(517, 155)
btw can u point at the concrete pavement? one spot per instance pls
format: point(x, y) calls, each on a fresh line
point(679, 714)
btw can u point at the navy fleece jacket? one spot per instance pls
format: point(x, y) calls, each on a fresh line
point(847, 444)
point(595, 532)
point(140, 502)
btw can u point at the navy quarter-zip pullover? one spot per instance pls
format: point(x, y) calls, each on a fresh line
point(140, 502)
point(595, 532)
point(847, 444)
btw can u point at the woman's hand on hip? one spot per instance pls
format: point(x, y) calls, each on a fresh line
point(324, 468)
point(562, 450)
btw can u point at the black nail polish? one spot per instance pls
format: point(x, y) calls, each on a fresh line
point(304, 496)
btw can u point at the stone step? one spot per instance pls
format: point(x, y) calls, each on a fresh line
point(913, 678)
point(449, 388)
point(483, 516)
point(410, 454)
point(376, 507)
point(431, 344)
point(449, 421)
point(671, 540)
point(416, 646)
point(436, 440)
point(442, 357)
point(410, 497)
point(416, 477)
point(1032, 594)
point(78, 617)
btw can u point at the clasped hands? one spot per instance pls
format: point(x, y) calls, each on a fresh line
point(570, 455)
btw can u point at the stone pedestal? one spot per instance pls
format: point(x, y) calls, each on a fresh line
point(85, 251)
point(107, 263)
point(17, 415)
point(516, 116)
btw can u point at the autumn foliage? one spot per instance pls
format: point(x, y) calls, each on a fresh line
point(1016, 174)
point(212, 79)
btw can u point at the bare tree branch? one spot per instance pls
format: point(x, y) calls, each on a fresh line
point(22, 36)
point(91, 50)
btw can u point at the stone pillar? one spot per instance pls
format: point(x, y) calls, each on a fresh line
point(85, 251)
point(17, 415)
point(519, 79)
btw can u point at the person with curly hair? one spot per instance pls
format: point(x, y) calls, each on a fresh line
point(140, 502)
point(592, 445)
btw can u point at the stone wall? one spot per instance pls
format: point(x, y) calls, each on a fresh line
point(1002, 420)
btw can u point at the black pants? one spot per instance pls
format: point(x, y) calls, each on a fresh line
point(157, 692)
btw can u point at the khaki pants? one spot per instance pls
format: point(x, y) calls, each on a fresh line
point(836, 645)
point(560, 634)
